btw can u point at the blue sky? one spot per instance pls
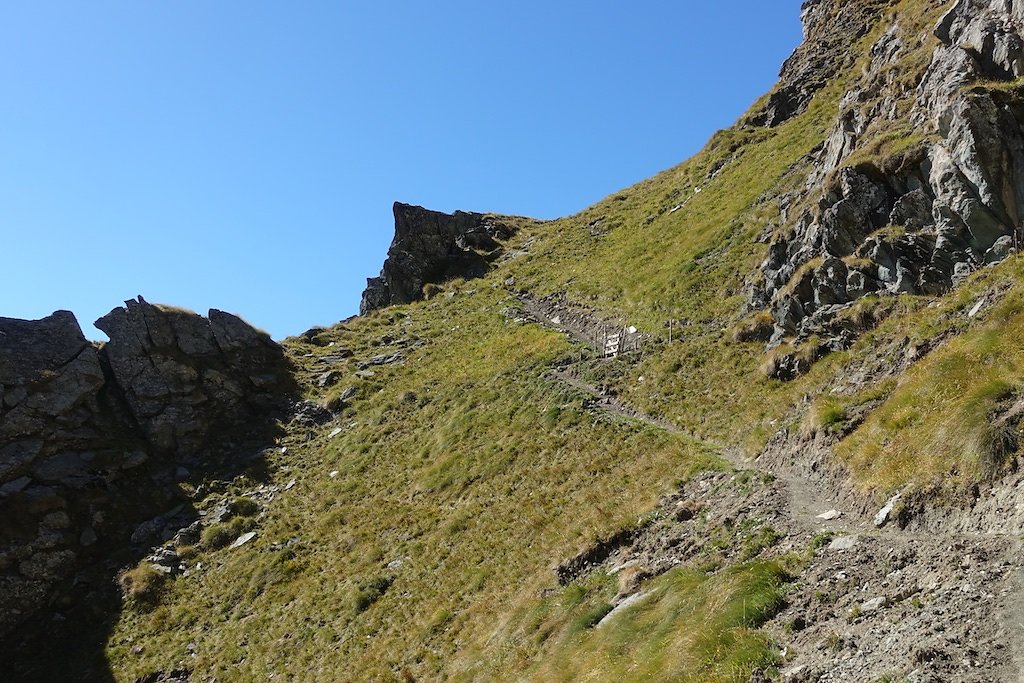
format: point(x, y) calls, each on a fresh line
point(245, 155)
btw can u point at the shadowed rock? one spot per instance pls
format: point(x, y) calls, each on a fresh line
point(92, 434)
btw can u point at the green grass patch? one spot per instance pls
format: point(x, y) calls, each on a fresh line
point(691, 627)
point(943, 419)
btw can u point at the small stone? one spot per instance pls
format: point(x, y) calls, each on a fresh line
point(795, 672)
point(625, 604)
point(133, 460)
point(165, 557)
point(980, 304)
point(622, 567)
point(386, 359)
point(60, 468)
point(243, 539)
point(290, 485)
point(686, 510)
point(873, 605)
point(334, 432)
point(333, 474)
point(843, 543)
point(830, 515)
point(55, 520)
point(189, 535)
point(16, 486)
point(883, 515)
point(329, 378)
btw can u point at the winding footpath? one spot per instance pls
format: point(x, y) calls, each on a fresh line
point(985, 631)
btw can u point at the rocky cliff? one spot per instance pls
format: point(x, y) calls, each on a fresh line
point(831, 36)
point(919, 184)
point(430, 247)
point(94, 437)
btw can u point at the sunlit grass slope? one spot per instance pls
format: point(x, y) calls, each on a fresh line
point(461, 478)
point(952, 418)
point(681, 246)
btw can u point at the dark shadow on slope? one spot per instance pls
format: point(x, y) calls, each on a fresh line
point(67, 640)
point(92, 481)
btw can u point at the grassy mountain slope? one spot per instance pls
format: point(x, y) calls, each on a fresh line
point(419, 538)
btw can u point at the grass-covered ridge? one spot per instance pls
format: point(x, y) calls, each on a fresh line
point(683, 245)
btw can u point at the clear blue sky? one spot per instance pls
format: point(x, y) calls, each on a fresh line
point(245, 155)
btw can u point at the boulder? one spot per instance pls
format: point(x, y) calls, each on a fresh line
point(830, 280)
point(1000, 250)
point(863, 205)
point(913, 210)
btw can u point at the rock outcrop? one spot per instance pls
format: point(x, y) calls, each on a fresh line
point(184, 376)
point(919, 220)
point(831, 32)
point(431, 247)
point(92, 434)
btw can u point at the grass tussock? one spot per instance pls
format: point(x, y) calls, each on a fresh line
point(142, 585)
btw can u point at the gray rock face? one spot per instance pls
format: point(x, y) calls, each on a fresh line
point(921, 222)
point(431, 247)
point(185, 376)
point(831, 31)
point(90, 435)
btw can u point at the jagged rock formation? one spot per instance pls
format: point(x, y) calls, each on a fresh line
point(830, 36)
point(184, 376)
point(921, 218)
point(431, 247)
point(91, 435)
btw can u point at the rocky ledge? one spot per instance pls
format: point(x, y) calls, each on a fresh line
point(430, 247)
point(93, 436)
